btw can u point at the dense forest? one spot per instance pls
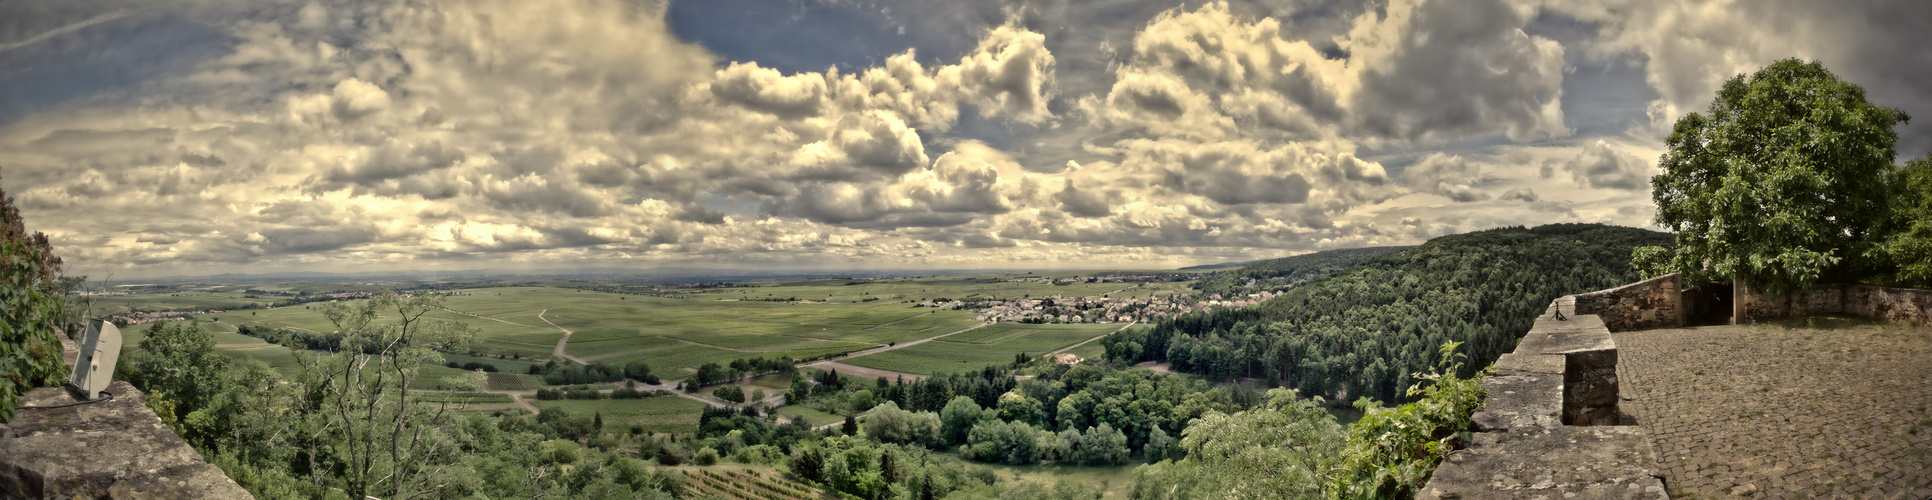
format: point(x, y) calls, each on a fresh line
point(1361, 332)
point(1287, 272)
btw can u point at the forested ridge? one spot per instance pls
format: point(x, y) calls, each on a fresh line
point(1363, 331)
point(1286, 272)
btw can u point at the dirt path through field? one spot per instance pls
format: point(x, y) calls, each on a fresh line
point(559, 351)
point(903, 345)
point(713, 346)
point(517, 399)
point(881, 325)
point(1084, 342)
point(479, 316)
point(860, 371)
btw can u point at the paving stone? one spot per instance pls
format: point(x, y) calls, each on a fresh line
point(1785, 410)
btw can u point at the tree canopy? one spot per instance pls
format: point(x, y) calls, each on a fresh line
point(1780, 181)
point(1363, 330)
point(1909, 248)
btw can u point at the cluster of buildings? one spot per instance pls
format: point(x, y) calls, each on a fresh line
point(139, 317)
point(1059, 309)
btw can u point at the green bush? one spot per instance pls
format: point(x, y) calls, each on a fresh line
point(31, 311)
point(1393, 451)
point(1289, 447)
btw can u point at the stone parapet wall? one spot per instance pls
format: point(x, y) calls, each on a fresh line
point(111, 449)
point(1911, 306)
point(1645, 304)
point(114, 449)
point(1826, 299)
point(1899, 305)
point(1550, 426)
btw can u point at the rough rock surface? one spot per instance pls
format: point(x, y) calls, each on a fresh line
point(1563, 371)
point(1909, 306)
point(1550, 462)
point(111, 449)
point(1649, 303)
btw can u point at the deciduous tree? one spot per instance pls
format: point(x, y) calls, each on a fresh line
point(388, 442)
point(1780, 182)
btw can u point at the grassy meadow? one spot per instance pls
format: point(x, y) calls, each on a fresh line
point(675, 329)
point(991, 345)
point(660, 414)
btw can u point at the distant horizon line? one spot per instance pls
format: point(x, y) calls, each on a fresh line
point(660, 272)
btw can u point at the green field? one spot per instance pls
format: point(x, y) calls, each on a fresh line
point(992, 345)
point(812, 416)
point(1110, 481)
point(513, 382)
point(676, 329)
point(660, 414)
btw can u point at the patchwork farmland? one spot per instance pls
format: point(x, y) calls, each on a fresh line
point(860, 322)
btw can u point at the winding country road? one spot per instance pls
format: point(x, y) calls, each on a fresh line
point(559, 351)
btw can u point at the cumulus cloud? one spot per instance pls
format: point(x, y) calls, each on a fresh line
point(1416, 70)
point(1519, 194)
point(1437, 68)
point(1601, 166)
point(392, 133)
point(1449, 176)
point(1687, 49)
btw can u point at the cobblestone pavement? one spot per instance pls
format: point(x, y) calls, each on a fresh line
point(1842, 409)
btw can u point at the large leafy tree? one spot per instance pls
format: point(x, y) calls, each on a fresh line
point(1780, 182)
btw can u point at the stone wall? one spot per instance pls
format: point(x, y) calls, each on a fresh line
point(1550, 427)
point(1645, 304)
point(1826, 299)
point(110, 449)
point(1900, 305)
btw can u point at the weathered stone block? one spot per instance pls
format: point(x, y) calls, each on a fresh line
point(1590, 360)
point(1596, 387)
point(87, 451)
point(1645, 304)
point(1513, 363)
point(1557, 462)
point(1520, 401)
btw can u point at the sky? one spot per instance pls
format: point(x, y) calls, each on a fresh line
point(200, 137)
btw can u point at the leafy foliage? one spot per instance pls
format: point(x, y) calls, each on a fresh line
point(1780, 181)
point(1290, 448)
point(388, 443)
point(1908, 249)
point(1363, 331)
point(1394, 450)
point(32, 310)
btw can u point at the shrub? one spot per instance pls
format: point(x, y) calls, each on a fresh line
point(705, 456)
